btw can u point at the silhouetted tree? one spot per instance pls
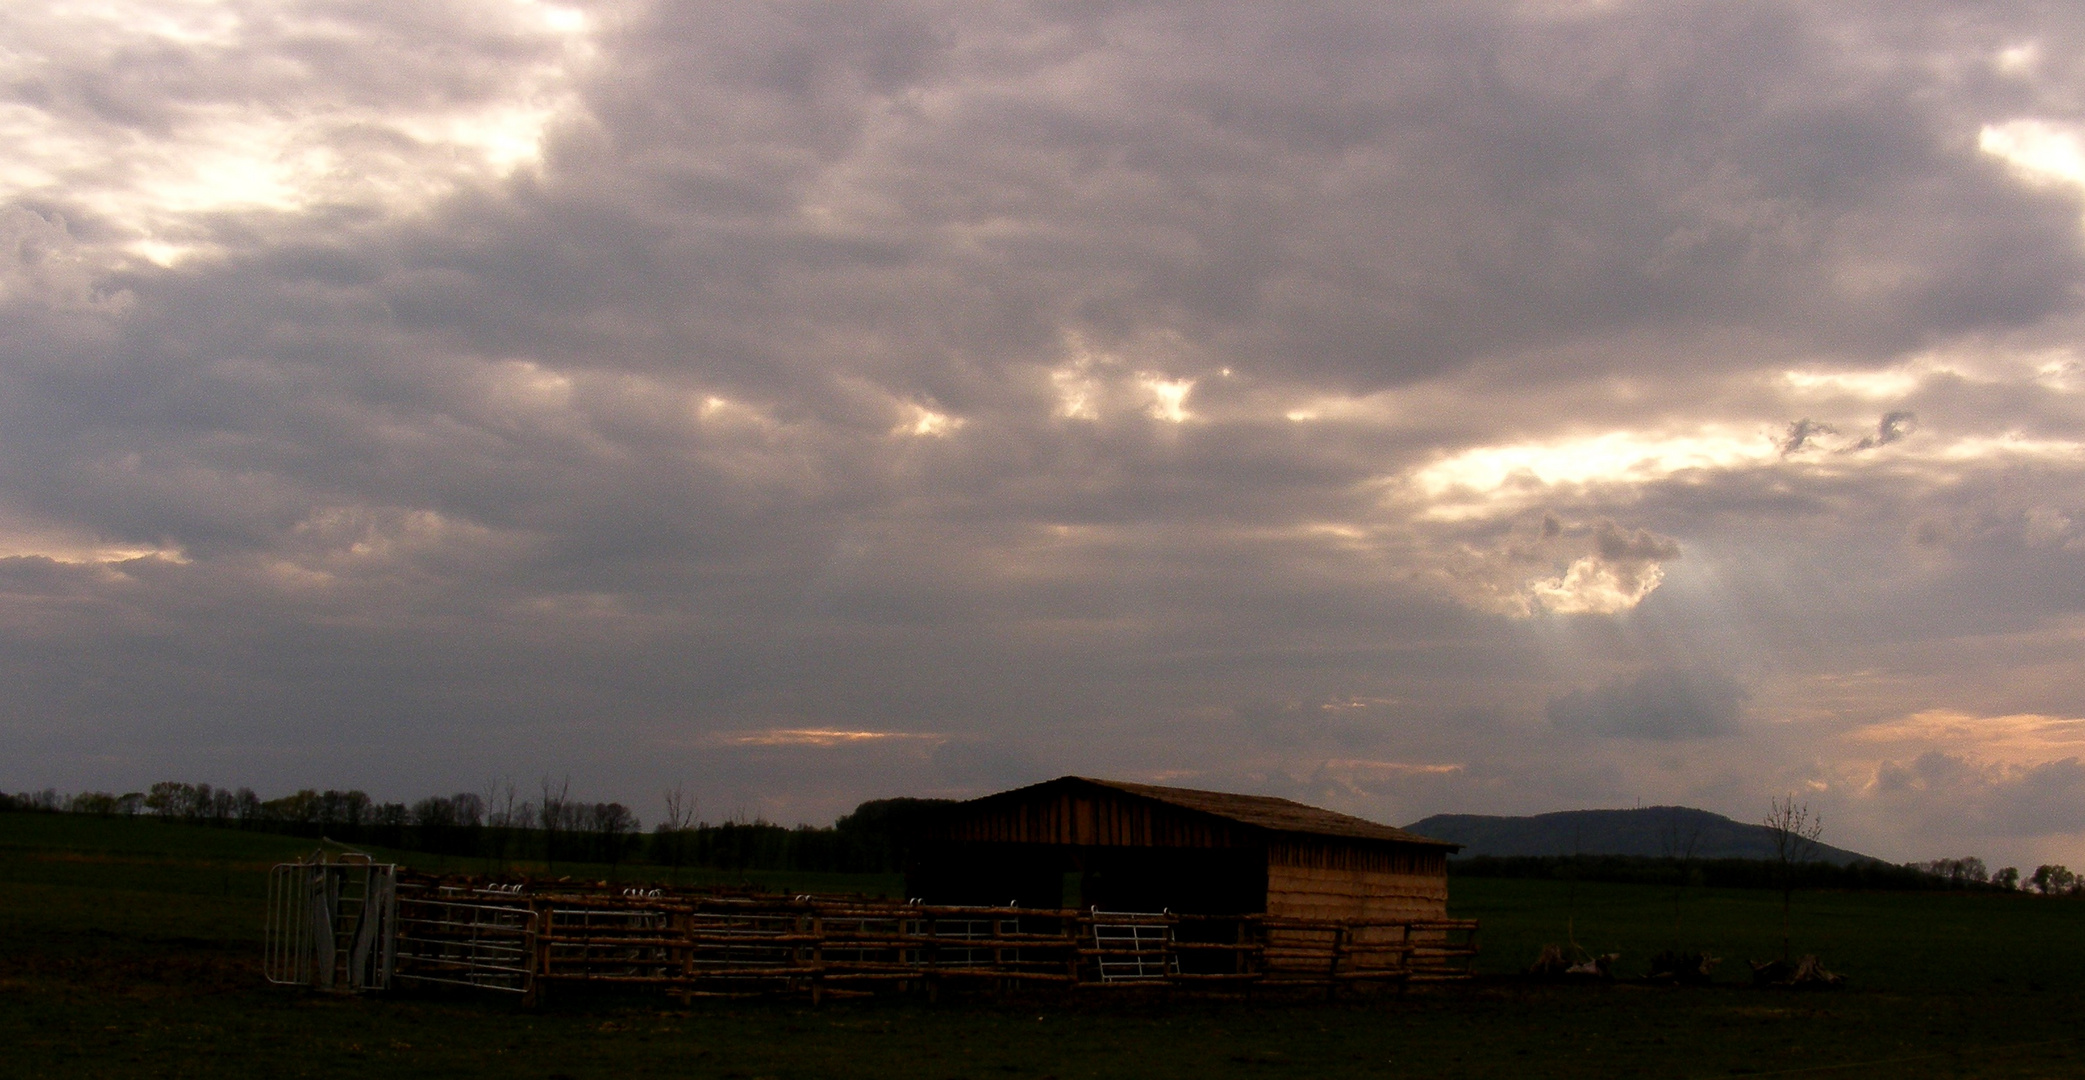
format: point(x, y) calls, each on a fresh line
point(611, 825)
point(552, 812)
point(1794, 832)
point(670, 837)
point(2053, 880)
point(1678, 839)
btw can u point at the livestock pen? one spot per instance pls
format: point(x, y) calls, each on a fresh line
point(349, 923)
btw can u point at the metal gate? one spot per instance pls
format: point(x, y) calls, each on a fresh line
point(479, 938)
point(1133, 946)
point(331, 923)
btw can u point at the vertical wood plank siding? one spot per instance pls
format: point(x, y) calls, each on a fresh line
point(1093, 821)
point(1308, 853)
point(1320, 877)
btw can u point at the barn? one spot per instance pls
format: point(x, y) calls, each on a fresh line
point(1079, 842)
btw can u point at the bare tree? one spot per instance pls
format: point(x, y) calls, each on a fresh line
point(499, 812)
point(612, 825)
point(672, 832)
point(552, 812)
point(1794, 831)
point(1679, 838)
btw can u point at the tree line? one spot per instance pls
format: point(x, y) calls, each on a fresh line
point(1968, 874)
point(504, 826)
point(1793, 830)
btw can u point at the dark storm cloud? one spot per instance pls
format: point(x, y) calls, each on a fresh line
point(1051, 385)
point(2033, 800)
point(1655, 705)
point(1689, 166)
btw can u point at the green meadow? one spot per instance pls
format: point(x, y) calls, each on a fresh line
point(130, 949)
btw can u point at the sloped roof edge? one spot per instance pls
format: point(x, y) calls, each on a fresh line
point(1265, 812)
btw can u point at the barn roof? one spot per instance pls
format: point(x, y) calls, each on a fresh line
point(1256, 811)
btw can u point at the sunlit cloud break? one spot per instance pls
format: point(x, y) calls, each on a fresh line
point(241, 133)
point(1489, 479)
point(807, 403)
point(2040, 149)
point(824, 738)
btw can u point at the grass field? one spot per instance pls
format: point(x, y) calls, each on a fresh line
point(129, 948)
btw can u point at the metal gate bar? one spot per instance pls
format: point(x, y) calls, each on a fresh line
point(331, 923)
point(348, 923)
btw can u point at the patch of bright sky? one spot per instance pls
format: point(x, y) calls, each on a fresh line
point(1493, 479)
point(1092, 381)
point(1168, 396)
point(286, 151)
point(923, 422)
point(523, 391)
point(822, 738)
point(2059, 370)
point(1374, 408)
point(538, 381)
point(22, 536)
point(1886, 384)
point(2041, 150)
point(713, 409)
point(1082, 392)
point(1610, 457)
point(2013, 445)
point(1392, 768)
point(357, 538)
point(2020, 739)
point(2050, 367)
point(1591, 587)
point(1076, 391)
point(2020, 59)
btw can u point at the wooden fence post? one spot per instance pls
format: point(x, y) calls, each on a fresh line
point(817, 958)
point(539, 980)
point(1071, 954)
point(1339, 942)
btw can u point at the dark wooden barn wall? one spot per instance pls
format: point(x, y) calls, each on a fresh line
point(1310, 853)
point(1045, 847)
point(1092, 820)
point(1206, 881)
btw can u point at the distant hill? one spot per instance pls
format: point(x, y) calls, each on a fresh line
point(1648, 832)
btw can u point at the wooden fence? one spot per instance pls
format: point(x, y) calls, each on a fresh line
point(527, 939)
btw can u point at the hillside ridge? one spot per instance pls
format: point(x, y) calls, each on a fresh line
point(1651, 832)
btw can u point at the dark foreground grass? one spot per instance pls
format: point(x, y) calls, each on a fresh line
point(1906, 942)
point(128, 949)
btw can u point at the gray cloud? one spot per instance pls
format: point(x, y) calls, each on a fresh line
point(1655, 705)
point(1161, 389)
point(2017, 801)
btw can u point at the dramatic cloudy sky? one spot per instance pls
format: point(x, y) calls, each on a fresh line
point(1407, 408)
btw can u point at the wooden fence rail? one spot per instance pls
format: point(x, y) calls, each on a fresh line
point(526, 939)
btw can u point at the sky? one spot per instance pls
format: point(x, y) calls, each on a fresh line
point(1407, 409)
